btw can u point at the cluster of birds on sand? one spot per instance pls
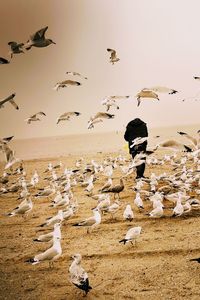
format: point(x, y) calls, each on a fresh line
point(164, 195)
point(170, 195)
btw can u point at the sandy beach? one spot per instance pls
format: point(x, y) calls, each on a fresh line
point(158, 267)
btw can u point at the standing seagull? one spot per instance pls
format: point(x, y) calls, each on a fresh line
point(50, 254)
point(38, 40)
point(9, 99)
point(91, 222)
point(15, 48)
point(132, 234)
point(113, 56)
point(78, 276)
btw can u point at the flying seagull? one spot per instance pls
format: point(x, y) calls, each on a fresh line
point(78, 276)
point(38, 40)
point(101, 115)
point(113, 56)
point(146, 94)
point(34, 117)
point(66, 83)
point(9, 99)
point(67, 116)
point(75, 74)
point(15, 48)
point(193, 140)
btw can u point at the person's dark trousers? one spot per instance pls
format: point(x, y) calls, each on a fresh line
point(136, 150)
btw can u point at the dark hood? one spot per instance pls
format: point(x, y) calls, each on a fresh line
point(136, 122)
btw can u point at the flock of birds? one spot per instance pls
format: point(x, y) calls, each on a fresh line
point(164, 195)
point(155, 190)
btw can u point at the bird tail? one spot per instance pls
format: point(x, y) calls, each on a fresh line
point(195, 259)
point(36, 240)
point(30, 260)
point(123, 241)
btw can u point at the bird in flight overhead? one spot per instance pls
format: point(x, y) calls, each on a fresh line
point(66, 83)
point(113, 56)
point(15, 48)
point(38, 40)
point(34, 117)
point(67, 116)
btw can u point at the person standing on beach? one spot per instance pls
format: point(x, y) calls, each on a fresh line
point(134, 129)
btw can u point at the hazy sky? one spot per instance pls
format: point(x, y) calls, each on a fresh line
point(157, 43)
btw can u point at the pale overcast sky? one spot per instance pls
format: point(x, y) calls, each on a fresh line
point(157, 43)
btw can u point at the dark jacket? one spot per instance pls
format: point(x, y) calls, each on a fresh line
point(136, 128)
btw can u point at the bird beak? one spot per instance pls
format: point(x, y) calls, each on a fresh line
point(53, 43)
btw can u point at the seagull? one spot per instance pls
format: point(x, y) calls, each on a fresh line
point(6, 140)
point(10, 156)
point(194, 141)
point(9, 99)
point(138, 201)
point(53, 220)
point(34, 117)
point(15, 48)
point(128, 213)
point(146, 94)
point(102, 115)
point(178, 209)
point(113, 56)
point(24, 207)
point(78, 276)
point(67, 116)
point(56, 233)
point(91, 222)
point(116, 189)
point(3, 61)
point(66, 83)
point(38, 40)
point(157, 212)
point(174, 145)
point(50, 254)
point(131, 235)
point(91, 123)
point(109, 103)
point(75, 74)
point(163, 89)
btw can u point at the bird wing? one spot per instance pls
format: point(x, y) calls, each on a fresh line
point(13, 45)
point(103, 115)
point(39, 34)
point(189, 137)
point(14, 104)
point(41, 113)
point(47, 255)
point(7, 99)
point(3, 61)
